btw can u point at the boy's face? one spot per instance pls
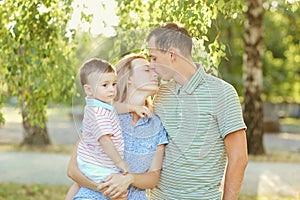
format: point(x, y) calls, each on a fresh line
point(102, 86)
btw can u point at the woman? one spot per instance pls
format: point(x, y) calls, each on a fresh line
point(144, 138)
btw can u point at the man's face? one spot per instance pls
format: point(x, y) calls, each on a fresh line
point(160, 61)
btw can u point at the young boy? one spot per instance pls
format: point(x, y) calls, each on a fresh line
point(100, 150)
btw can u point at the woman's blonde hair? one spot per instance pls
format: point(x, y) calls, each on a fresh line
point(124, 71)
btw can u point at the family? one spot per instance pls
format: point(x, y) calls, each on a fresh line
point(189, 143)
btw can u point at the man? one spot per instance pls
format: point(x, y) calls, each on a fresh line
point(202, 115)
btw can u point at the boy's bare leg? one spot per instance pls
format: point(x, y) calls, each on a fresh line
point(72, 191)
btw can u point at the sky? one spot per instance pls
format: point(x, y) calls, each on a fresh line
point(104, 16)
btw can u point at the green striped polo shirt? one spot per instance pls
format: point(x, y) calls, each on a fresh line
point(197, 117)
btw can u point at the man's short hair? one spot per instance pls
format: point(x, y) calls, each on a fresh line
point(172, 35)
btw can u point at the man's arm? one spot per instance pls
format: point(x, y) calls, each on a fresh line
point(236, 148)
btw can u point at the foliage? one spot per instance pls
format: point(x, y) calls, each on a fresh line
point(197, 16)
point(281, 53)
point(36, 54)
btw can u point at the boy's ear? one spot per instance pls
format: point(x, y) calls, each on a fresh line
point(88, 90)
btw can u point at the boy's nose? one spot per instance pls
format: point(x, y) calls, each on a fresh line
point(112, 88)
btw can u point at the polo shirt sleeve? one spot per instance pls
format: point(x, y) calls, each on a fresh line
point(162, 135)
point(229, 112)
point(102, 126)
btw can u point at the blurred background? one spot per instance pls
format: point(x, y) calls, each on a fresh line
point(252, 44)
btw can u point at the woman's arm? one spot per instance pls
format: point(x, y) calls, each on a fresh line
point(150, 179)
point(122, 108)
point(77, 176)
point(117, 183)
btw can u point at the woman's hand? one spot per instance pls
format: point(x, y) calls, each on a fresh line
point(115, 185)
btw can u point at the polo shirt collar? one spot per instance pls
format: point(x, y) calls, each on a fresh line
point(196, 80)
point(97, 103)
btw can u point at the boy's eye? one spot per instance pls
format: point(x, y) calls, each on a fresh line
point(114, 84)
point(104, 85)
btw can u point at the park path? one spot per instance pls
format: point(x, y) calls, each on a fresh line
point(261, 178)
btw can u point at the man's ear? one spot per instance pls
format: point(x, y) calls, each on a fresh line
point(88, 90)
point(173, 53)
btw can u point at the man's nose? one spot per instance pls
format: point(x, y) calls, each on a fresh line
point(152, 66)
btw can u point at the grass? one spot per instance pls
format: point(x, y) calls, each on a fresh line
point(291, 121)
point(291, 124)
point(266, 197)
point(291, 157)
point(287, 157)
point(60, 149)
point(13, 191)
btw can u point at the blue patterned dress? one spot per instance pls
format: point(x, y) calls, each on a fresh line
point(140, 145)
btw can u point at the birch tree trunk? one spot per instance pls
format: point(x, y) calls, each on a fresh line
point(252, 76)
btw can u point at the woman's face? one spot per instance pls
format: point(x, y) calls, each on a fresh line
point(143, 78)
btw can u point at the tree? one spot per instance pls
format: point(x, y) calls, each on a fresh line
point(197, 16)
point(281, 58)
point(253, 106)
point(280, 64)
point(36, 59)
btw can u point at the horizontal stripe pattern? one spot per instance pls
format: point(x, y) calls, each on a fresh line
point(196, 117)
point(98, 122)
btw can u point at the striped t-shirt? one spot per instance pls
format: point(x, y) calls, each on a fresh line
point(197, 117)
point(99, 119)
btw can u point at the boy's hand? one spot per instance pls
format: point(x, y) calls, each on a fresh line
point(142, 111)
point(123, 166)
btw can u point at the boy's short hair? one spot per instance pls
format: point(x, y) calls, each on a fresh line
point(172, 35)
point(94, 65)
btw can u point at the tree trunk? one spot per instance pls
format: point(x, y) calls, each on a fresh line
point(34, 135)
point(252, 76)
